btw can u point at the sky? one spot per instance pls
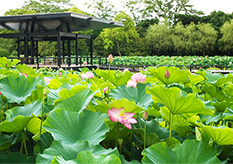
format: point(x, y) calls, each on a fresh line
point(207, 6)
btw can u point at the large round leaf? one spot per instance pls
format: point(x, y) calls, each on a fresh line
point(78, 102)
point(87, 157)
point(70, 151)
point(176, 75)
point(191, 151)
point(71, 126)
point(115, 77)
point(138, 95)
point(176, 103)
point(16, 125)
point(17, 88)
point(221, 135)
point(28, 110)
point(67, 151)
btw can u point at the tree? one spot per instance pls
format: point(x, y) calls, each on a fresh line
point(159, 37)
point(164, 9)
point(102, 8)
point(226, 42)
point(47, 6)
point(205, 39)
point(117, 37)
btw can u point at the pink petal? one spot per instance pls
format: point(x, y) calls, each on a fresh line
point(132, 120)
point(128, 125)
point(129, 115)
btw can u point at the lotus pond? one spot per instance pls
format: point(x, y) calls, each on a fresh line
point(160, 115)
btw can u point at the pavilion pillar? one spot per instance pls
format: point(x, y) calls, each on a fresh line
point(59, 49)
point(18, 48)
point(26, 47)
point(76, 50)
point(69, 53)
point(91, 50)
point(32, 50)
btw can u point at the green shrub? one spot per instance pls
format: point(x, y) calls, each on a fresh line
point(4, 53)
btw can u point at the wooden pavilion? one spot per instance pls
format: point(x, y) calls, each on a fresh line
point(59, 27)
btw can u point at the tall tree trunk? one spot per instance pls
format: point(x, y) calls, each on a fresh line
point(118, 48)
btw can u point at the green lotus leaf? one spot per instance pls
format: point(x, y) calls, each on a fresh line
point(44, 142)
point(78, 102)
point(194, 79)
point(129, 106)
point(33, 125)
point(152, 126)
point(55, 83)
point(24, 69)
point(215, 78)
point(229, 89)
point(115, 77)
point(65, 93)
point(176, 103)
point(71, 126)
point(35, 95)
point(5, 141)
point(176, 75)
point(28, 110)
point(16, 125)
point(179, 124)
point(61, 160)
point(70, 151)
point(88, 157)
point(53, 94)
point(221, 135)
point(17, 88)
point(8, 63)
point(215, 92)
point(137, 95)
point(16, 158)
point(59, 148)
point(190, 151)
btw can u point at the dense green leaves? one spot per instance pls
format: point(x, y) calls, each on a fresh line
point(176, 103)
point(190, 151)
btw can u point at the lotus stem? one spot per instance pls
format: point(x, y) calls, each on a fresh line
point(145, 134)
point(117, 136)
point(42, 116)
point(170, 128)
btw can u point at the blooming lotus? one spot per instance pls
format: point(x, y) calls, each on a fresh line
point(87, 75)
point(138, 78)
point(131, 83)
point(47, 80)
point(123, 117)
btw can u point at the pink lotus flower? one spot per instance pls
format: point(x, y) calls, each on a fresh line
point(84, 63)
point(23, 74)
point(123, 117)
point(87, 75)
point(110, 58)
point(126, 69)
point(138, 78)
point(131, 83)
point(47, 80)
point(105, 89)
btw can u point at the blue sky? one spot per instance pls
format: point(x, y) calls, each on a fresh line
point(206, 6)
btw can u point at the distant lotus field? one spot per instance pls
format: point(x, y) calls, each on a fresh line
point(159, 115)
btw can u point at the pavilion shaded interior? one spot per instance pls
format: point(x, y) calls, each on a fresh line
point(57, 27)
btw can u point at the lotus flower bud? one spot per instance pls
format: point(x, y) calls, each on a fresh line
point(0, 93)
point(110, 58)
point(145, 116)
point(167, 74)
point(84, 63)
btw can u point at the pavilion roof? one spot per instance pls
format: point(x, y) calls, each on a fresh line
point(53, 22)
